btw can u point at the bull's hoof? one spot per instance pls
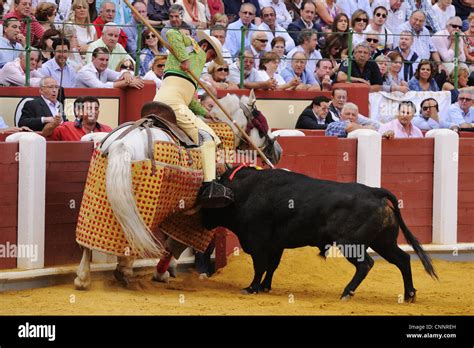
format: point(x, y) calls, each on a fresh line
point(81, 284)
point(347, 296)
point(161, 277)
point(248, 291)
point(121, 278)
point(410, 297)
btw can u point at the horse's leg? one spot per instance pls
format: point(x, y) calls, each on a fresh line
point(83, 279)
point(124, 270)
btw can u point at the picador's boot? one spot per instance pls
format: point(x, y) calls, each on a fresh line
point(214, 195)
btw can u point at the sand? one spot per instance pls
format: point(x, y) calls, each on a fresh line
point(304, 284)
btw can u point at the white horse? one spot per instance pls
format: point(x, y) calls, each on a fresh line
point(121, 154)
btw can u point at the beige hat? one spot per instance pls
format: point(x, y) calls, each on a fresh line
point(215, 43)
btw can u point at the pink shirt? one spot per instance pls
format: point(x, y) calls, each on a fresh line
point(400, 131)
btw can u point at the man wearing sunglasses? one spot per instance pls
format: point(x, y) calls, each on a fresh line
point(444, 42)
point(378, 26)
point(428, 118)
point(461, 113)
point(233, 40)
point(258, 46)
point(178, 90)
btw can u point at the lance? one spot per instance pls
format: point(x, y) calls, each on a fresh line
point(202, 85)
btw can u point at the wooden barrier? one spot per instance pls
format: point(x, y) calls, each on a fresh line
point(466, 191)
point(8, 201)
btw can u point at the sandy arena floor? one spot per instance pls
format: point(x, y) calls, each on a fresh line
point(304, 284)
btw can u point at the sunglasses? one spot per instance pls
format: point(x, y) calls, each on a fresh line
point(372, 40)
point(383, 15)
point(426, 108)
point(150, 36)
point(223, 69)
point(128, 67)
point(454, 26)
point(362, 20)
point(262, 40)
point(160, 65)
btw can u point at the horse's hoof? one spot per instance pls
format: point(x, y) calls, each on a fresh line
point(410, 298)
point(248, 291)
point(120, 277)
point(173, 268)
point(161, 277)
point(80, 284)
point(347, 296)
point(203, 276)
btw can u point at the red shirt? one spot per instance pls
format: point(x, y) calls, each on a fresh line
point(69, 132)
point(37, 30)
point(99, 25)
point(215, 6)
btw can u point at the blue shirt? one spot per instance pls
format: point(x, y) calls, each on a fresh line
point(337, 129)
point(288, 74)
point(456, 116)
point(425, 124)
point(52, 69)
point(132, 34)
point(414, 85)
point(8, 51)
point(232, 40)
point(422, 44)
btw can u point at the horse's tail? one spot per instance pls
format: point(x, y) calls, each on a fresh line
point(121, 199)
point(424, 257)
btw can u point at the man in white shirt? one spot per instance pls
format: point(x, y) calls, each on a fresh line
point(283, 17)
point(272, 29)
point(378, 26)
point(13, 73)
point(233, 40)
point(444, 42)
point(309, 42)
point(97, 75)
point(258, 46)
point(397, 12)
point(109, 39)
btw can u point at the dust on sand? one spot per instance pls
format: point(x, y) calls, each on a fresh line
point(304, 284)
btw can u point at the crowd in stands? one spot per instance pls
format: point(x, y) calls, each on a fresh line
point(397, 45)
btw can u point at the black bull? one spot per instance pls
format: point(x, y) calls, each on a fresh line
point(277, 209)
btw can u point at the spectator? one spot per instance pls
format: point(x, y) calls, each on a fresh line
point(316, 115)
point(75, 58)
point(398, 12)
point(219, 19)
point(219, 32)
point(350, 7)
point(461, 113)
point(278, 46)
point(233, 9)
point(423, 79)
point(217, 77)
point(207, 102)
point(428, 117)
point(401, 126)
point(272, 29)
point(378, 26)
point(38, 112)
point(422, 44)
point(373, 40)
point(233, 39)
point(106, 15)
point(297, 69)
point(308, 43)
point(306, 21)
point(444, 42)
point(122, 14)
point(157, 70)
point(12, 41)
point(45, 14)
point(347, 123)
point(151, 48)
point(21, 10)
point(96, 74)
point(158, 11)
point(215, 7)
point(326, 11)
point(323, 73)
point(125, 65)
point(334, 51)
point(410, 58)
point(463, 77)
point(469, 40)
point(382, 63)
point(131, 29)
point(86, 111)
point(363, 70)
point(81, 22)
point(444, 10)
point(339, 33)
point(268, 70)
point(13, 73)
point(425, 6)
point(258, 45)
point(109, 39)
point(294, 8)
point(63, 11)
point(393, 76)
point(282, 16)
point(176, 13)
point(194, 13)
point(46, 44)
point(250, 74)
point(58, 67)
point(359, 21)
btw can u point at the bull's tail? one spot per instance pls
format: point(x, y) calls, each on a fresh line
point(120, 195)
point(424, 257)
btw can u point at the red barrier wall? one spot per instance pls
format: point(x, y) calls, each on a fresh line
point(67, 164)
point(407, 171)
point(8, 200)
point(466, 191)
